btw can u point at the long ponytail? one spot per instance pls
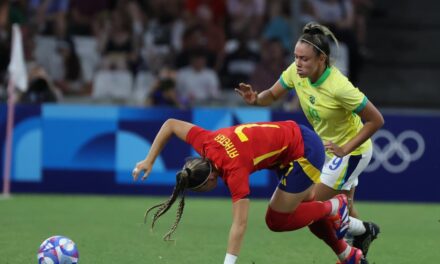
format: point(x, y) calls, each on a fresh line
point(194, 171)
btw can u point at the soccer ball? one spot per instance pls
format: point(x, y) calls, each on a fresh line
point(58, 250)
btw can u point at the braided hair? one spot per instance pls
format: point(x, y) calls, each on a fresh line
point(194, 173)
point(318, 36)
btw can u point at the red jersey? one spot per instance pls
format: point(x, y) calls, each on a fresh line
point(240, 150)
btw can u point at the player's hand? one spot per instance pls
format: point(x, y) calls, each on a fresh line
point(142, 166)
point(245, 91)
point(335, 149)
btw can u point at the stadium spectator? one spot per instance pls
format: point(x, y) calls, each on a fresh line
point(196, 83)
point(163, 92)
point(136, 15)
point(214, 37)
point(50, 16)
point(116, 42)
point(193, 40)
point(4, 44)
point(84, 16)
point(163, 35)
point(216, 7)
point(272, 63)
point(40, 89)
point(233, 153)
point(329, 101)
point(246, 18)
point(239, 63)
point(67, 72)
point(278, 25)
point(19, 12)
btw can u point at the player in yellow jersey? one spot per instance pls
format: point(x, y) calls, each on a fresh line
point(340, 114)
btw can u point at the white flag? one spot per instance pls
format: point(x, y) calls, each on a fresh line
point(17, 66)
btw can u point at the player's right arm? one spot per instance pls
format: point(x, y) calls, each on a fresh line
point(240, 211)
point(265, 98)
point(279, 89)
point(170, 127)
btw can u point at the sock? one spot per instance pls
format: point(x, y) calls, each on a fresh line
point(356, 227)
point(230, 259)
point(323, 229)
point(305, 214)
point(335, 205)
point(342, 256)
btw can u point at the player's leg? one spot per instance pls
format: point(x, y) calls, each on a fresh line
point(324, 229)
point(287, 212)
point(340, 175)
point(287, 209)
point(361, 233)
point(324, 192)
point(332, 234)
point(327, 219)
point(350, 196)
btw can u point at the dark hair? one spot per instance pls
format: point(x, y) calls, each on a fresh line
point(38, 92)
point(166, 84)
point(194, 173)
point(198, 53)
point(317, 36)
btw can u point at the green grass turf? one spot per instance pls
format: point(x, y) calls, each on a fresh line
point(110, 229)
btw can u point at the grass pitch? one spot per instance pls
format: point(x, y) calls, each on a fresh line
point(110, 229)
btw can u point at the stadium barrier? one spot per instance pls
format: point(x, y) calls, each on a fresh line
point(92, 150)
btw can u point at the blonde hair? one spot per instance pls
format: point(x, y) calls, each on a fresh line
point(318, 36)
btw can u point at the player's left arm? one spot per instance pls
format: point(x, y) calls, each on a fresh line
point(171, 127)
point(372, 119)
point(240, 211)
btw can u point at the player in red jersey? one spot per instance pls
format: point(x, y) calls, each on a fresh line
point(295, 152)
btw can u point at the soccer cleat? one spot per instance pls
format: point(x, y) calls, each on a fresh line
point(363, 241)
point(355, 257)
point(341, 219)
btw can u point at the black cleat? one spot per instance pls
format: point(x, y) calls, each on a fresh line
point(363, 260)
point(363, 241)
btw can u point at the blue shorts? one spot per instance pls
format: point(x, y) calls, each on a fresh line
point(301, 173)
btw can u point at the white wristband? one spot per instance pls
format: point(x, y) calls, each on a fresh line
point(230, 259)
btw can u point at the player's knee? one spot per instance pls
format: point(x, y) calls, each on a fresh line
point(275, 221)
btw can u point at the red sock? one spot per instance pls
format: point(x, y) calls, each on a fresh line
point(305, 214)
point(324, 230)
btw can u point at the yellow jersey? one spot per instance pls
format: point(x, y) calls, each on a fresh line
point(330, 104)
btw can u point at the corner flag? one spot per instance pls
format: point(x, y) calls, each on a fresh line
point(17, 67)
point(17, 77)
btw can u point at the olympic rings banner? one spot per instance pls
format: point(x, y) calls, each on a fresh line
point(92, 149)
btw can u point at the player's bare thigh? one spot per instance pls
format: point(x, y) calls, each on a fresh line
point(283, 201)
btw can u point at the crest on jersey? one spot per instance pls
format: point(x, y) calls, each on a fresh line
point(312, 99)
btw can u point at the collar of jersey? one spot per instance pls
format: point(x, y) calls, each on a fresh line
point(321, 79)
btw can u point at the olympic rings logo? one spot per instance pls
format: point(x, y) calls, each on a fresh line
point(395, 146)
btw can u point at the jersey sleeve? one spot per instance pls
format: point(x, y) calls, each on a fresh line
point(238, 184)
point(351, 97)
point(287, 78)
point(196, 137)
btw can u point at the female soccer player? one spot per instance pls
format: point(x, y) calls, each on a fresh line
point(233, 153)
point(335, 109)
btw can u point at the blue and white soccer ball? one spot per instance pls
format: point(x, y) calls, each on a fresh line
point(58, 250)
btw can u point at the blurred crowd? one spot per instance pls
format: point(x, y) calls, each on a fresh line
point(180, 53)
